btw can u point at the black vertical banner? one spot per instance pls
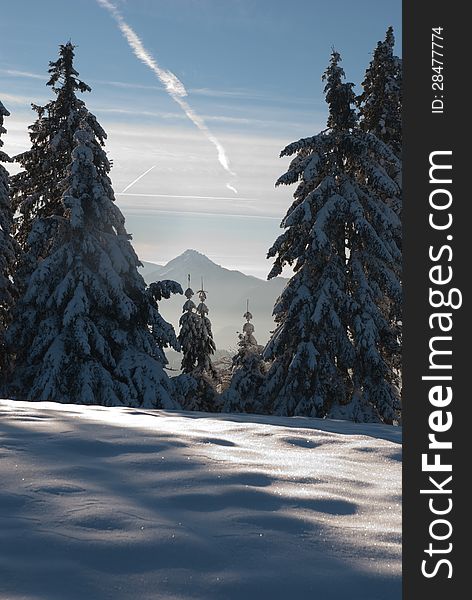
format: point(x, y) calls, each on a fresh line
point(437, 249)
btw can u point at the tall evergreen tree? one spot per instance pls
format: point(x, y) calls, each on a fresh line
point(87, 330)
point(189, 332)
point(380, 104)
point(36, 190)
point(380, 109)
point(205, 374)
point(8, 252)
point(248, 372)
point(206, 346)
point(197, 344)
point(331, 342)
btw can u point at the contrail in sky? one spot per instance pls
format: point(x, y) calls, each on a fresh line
point(185, 196)
point(137, 179)
point(174, 87)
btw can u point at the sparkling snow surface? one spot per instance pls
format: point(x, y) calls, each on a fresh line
point(99, 503)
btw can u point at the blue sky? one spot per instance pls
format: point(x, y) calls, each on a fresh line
point(252, 70)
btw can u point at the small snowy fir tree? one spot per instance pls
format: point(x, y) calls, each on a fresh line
point(36, 190)
point(249, 368)
point(189, 332)
point(332, 347)
point(87, 329)
point(205, 343)
point(380, 103)
point(197, 344)
point(8, 254)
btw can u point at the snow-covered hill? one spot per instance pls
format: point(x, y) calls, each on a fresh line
point(228, 291)
point(108, 503)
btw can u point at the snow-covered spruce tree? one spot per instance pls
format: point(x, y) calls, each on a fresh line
point(332, 347)
point(87, 330)
point(248, 372)
point(8, 254)
point(189, 332)
point(36, 190)
point(380, 104)
point(205, 344)
point(380, 108)
point(197, 344)
point(185, 386)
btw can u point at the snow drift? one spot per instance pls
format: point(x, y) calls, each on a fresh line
point(120, 503)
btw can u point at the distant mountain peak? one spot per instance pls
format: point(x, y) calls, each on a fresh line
point(191, 259)
point(192, 253)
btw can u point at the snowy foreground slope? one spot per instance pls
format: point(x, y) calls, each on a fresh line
point(117, 503)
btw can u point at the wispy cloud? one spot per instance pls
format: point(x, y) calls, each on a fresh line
point(19, 100)
point(229, 94)
point(127, 85)
point(23, 74)
point(242, 94)
point(183, 196)
point(156, 210)
point(213, 118)
point(140, 113)
point(171, 82)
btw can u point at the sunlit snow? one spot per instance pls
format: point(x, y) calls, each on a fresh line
point(121, 503)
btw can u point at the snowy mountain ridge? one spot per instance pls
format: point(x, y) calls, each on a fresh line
point(192, 260)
